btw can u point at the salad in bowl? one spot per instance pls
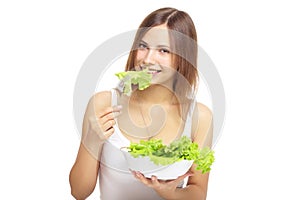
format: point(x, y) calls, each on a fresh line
point(167, 162)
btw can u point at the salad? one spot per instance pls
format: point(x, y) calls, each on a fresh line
point(182, 149)
point(140, 78)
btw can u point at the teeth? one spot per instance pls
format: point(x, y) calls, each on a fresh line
point(151, 69)
point(154, 71)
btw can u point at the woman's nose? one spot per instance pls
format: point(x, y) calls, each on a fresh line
point(149, 57)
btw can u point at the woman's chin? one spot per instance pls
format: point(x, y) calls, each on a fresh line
point(164, 81)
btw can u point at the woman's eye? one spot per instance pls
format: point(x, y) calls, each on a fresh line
point(142, 46)
point(164, 50)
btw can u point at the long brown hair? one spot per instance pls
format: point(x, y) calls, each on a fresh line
point(183, 40)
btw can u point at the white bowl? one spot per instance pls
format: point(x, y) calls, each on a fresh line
point(148, 168)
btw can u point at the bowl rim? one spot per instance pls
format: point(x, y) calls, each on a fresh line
point(159, 167)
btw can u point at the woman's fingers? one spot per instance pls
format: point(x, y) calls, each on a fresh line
point(109, 124)
point(109, 132)
point(111, 111)
point(102, 123)
point(106, 120)
point(142, 178)
point(108, 117)
point(153, 182)
point(150, 182)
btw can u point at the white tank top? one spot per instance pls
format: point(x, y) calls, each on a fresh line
point(115, 180)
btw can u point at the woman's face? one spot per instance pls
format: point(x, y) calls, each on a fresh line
point(154, 54)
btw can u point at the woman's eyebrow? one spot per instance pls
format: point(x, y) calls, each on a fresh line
point(158, 46)
point(163, 46)
point(143, 42)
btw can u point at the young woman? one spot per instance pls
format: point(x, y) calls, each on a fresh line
point(166, 46)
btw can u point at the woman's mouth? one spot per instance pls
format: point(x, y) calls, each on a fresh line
point(151, 69)
point(154, 71)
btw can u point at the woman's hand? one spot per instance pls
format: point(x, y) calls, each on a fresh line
point(164, 188)
point(98, 126)
point(102, 122)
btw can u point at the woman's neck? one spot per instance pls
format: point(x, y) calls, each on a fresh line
point(155, 94)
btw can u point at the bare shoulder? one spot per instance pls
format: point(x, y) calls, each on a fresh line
point(204, 113)
point(100, 100)
point(202, 124)
point(102, 97)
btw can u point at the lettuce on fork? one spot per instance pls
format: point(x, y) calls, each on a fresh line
point(129, 78)
point(176, 151)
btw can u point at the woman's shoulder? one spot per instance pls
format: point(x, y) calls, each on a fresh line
point(102, 95)
point(101, 100)
point(202, 122)
point(203, 111)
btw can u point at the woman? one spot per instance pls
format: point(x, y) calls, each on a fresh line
point(166, 46)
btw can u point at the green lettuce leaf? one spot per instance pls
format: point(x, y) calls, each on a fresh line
point(129, 78)
point(176, 151)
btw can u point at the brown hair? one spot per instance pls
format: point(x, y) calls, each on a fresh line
point(183, 40)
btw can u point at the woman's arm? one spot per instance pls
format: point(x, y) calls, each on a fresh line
point(83, 175)
point(202, 135)
point(97, 126)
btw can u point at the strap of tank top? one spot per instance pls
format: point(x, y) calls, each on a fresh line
point(187, 131)
point(114, 98)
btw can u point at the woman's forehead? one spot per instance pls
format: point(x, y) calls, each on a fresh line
point(157, 36)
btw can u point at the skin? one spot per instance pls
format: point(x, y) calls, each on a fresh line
point(155, 49)
point(100, 117)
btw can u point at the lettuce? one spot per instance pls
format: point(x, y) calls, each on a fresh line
point(176, 151)
point(129, 78)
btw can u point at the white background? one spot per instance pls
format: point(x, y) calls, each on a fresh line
point(254, 45)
